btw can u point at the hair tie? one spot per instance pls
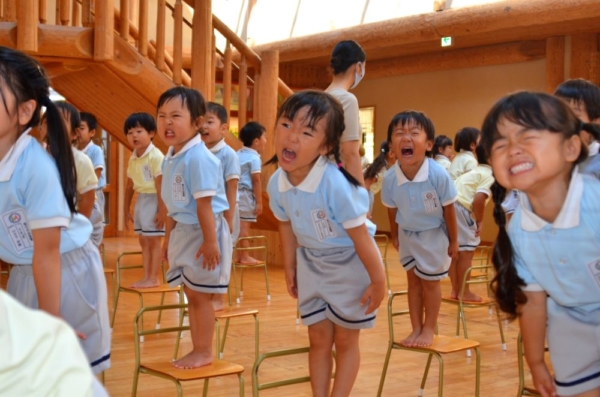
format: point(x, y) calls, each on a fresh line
point(581, 126)
point(45, 101)
point(340, 165)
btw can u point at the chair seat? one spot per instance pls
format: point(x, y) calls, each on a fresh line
point(229, 312)
point(152, 290)
point(257, 264)
point(217, 368)
point(444, 345)
point(486, 301)
point(478, 274)
point(108, 270)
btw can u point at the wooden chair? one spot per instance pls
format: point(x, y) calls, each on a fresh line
point(161, 289)
point(382, 241)
point(163, 367)
point(257, 386)
point(441, 345)
point(524, 390)
point(257, 246)
point(227, 314)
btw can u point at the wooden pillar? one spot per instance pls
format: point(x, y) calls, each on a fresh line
point(227, 68)
point(213, 69)
point(555, 62)
point(583, 48)
point(104, 25)
point(202, 34)
point(243, 89)
point(266, 112)
point(27, 30)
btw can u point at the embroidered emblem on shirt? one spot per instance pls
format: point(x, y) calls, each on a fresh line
point(16, 227)
point(594, 268)
point(322, 225)
point(178, 192)
point(146, 173)
point(431, 201)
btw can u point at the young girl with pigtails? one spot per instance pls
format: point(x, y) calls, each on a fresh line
point(547, 258)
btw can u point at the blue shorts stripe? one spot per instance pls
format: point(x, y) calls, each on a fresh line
point(350, 321)
point(313, 313)
point(578, 381)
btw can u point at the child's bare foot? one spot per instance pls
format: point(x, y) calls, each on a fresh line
point(424, 339)
point(193, 360)
point(454, 295)
point(410, 339)
point(248, 260)
point(146, 283)
point(471, 297)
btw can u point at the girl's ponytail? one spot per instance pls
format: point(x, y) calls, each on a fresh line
point(60, 148)
point(592, 129)
point(379, 162)
point(506, 283)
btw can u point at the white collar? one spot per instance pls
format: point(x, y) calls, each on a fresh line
point(90, 143)
point(567, 218)
point(249, 149)
point(218, 146)
point(9, 162)
point(148, 149)
point(421, 176)
point(310, 183)
point(441, 157)
point(467, 152)
point(190, 144)
point(593, 148)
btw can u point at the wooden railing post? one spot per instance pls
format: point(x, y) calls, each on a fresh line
point(124, 22)
point(76, 13)
point(143, 28)
point(65, 12)
point(178, 42)
point(104, 26)
point(42, 11)
point(86, 13)
point(227, 68)
point(27, 30)
point(243, 89)
point(266, 112)
point(9, 10)
point(160, 35)
point(202, 48)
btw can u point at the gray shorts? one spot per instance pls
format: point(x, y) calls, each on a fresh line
point(184, 268)
point(144, 213)
point(426, 252)
point(371, 201)
point(467, 227)
point(246, 205)
point(574, 350)
point(100, 201)
point(330, 285)
point(83, 299)
point(97, 225)
point(236, 225)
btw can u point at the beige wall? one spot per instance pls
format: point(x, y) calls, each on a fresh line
point(452, 99)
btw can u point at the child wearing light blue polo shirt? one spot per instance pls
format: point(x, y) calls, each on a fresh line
point(332, 265)
point(420, 197)
point(547, 258)
point(56, 267)
point(87, 130)
point(197, 238)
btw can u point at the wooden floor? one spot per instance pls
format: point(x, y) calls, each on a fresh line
point(278, 330)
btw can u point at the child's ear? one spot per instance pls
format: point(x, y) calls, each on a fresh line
point(325, 149)
point(151, 134)
point(92, 132)
point(224, 127)
point(573, 148)
point(199, 122)
point(26, 110)
point(429, 146)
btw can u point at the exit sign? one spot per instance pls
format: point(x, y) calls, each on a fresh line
point(446, 41)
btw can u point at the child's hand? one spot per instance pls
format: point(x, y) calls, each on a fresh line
point(212, 256)
point(396, 243)
point(453, 250)
point(292, 284)
point(479, 228)
point(159, 219)
point(543, 380)
point(128, 218)
point(374, 295)
point(259, 209)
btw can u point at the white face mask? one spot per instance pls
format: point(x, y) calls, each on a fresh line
point(358, 77)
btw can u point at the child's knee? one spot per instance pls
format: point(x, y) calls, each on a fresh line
point(346, 338)
point(321, 335)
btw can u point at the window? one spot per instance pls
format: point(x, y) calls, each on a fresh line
point(367, 124)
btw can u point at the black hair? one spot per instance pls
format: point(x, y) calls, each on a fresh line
point(89, 119)
point(538, 111)
point(440, 142)
point(581, 91)
point(379, 162)
point(251, 131)
point(481, 155)
point(140, 119)
point(27, 80)
point(345, 54)
point(320, 105)
point(419, 118)
point(465, 137)
point(190, 98)
point(71, 113)
point(218, 110)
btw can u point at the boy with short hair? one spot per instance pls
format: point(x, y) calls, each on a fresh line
point(144, 175)
point(213, 130)
point(87, 130)
point(253, 136)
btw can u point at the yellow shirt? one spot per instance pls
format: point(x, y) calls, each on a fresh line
point(463, 162)
point(468, 184)
point(86, 177)
point(142, 170)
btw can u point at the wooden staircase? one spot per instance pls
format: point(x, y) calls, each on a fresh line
point(104, 63)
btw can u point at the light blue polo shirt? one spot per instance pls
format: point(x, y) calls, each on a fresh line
point(32, 198)
point(250, 163)
point(96, 154)
point(229, 160)
point(190, 174)
point(562, 258)
point(419, 201)
point(320, 208)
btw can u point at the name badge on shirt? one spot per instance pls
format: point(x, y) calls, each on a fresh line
point(178, 189)
point(322, 225)
point(146, 173)
point(16, 226)
point(594, 268)
point(431, 201)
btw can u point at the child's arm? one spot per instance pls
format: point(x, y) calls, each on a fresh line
point(169, 225)
point(86, 203)
point(46, 268)
point(161, 211)
point(450, 219)
point(257, 188)
point(289, 245)
point(232, 186)
point(98, 172)
point(393, 227)
point(370, 257)
point(478, 207)
point(209, 247)
point(128, 198)
point(532, 321)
